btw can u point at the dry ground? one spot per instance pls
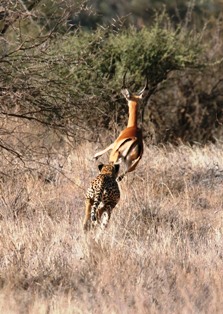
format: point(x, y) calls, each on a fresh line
point(162, 251)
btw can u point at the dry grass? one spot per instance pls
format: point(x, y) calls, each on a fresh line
point(162, 251)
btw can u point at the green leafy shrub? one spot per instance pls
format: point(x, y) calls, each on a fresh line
point(91, 66)
point(72, 82)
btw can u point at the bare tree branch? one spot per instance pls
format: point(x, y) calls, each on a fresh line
point(11, 21)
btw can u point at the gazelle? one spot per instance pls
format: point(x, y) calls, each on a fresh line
point(128, 147)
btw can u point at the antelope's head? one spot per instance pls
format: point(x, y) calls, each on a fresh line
point(134, 96)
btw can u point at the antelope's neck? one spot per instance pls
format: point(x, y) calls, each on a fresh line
point(132, 121)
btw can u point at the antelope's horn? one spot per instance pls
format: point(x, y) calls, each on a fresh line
point(123, 82)
point(146, 84)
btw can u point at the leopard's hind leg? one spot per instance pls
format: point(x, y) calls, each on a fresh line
point(87, 222)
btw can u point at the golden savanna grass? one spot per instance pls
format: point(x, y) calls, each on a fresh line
point(161, 253)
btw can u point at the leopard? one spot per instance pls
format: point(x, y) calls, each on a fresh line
point(102, 196)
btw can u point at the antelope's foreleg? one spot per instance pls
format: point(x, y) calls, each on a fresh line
point(103, 151)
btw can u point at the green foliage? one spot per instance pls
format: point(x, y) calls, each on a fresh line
point(97, 61)
point(90, 66)
point(72, 81)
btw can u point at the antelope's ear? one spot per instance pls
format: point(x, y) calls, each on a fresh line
point(125, 92)
point(100, 166)
point(117, 166)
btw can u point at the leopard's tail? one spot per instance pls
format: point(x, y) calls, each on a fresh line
point(97, 201)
